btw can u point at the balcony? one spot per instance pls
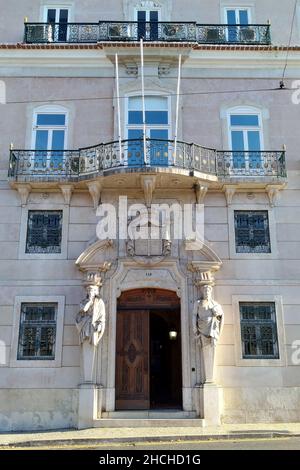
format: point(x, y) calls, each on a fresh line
point(131, 31)
point(165, 156)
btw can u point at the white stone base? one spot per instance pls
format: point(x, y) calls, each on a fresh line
point(89, 406)
point(212, 404)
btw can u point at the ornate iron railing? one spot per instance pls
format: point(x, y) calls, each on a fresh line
point(237, 34)
point(86, 163)
point(132, 31)
point(250, 164)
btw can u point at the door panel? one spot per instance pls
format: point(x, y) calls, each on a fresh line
point(132, 360)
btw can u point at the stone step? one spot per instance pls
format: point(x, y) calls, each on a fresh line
point(139, 419)
point(149, 414)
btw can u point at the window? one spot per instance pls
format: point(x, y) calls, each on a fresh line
point(44, 232)
point(238, 19)
point(252, 234)
point(259, 330)
point(49, 137)
point(57, 18)
point(147, 24)
point(157, 129)
point(37, 331)
point(245, 138)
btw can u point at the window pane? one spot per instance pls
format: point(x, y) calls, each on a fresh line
point(58, 140)
point(152, 117)
point(44, 232)
point(135, 134)
point(159, 153)
point(253, 140)
point(152, 103)
point(231, 19)
point(51, 16)
point(41, 140)
point(259, 330)
point(37, 331)
point(244, 120)
point(135, 117)
point(51, 119)
point(141, 15)
point(153, 16)
point(237, 138)
point(63, 16)
point(252, 233)
point(161, 134)
point(243, 14)
point(135, 152)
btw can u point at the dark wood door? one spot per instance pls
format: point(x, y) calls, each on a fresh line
point(132, 361)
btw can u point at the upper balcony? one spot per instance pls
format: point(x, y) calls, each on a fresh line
point(129, 157)
point(131, 31)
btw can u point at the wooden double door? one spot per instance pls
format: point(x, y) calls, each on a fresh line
point(148, 362)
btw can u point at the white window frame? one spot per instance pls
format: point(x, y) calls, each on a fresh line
point(241, 111)
point(245, 362)
point(57, 7)
point(57, 361)
point(272, 231)
point(49, 109)
point(237, 8)
point(64, 236)
point(147, 10)
point(248, 110)
point(148, 126)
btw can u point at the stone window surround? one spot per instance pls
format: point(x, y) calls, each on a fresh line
point(46, 107)
point(227, 5)
point(50, 109)
point(239, 360)
point(45, 4)
point(128, 126)
point(272, 230)
point(244, 107)
point(151, 88)
point(60, 301)
point(23, 231)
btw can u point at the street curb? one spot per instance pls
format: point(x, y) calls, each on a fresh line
point(133, 440)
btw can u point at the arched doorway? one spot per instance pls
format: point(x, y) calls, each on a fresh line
point(148, 355)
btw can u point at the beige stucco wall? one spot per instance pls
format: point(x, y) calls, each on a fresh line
point(251, 393)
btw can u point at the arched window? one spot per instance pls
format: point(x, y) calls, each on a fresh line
point(245, 137)
point(49, 136)
point(157, 126)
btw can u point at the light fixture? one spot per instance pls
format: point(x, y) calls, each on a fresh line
point(173, 334)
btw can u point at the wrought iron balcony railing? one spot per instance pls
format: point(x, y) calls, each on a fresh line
point(131, 31)
point(86, 163)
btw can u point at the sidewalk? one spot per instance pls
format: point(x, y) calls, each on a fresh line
point(90, 437)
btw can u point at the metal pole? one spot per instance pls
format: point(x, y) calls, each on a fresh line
point(143, 100)
point(177, 106)
point(118, 108)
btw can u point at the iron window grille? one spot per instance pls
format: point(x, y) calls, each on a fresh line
point(252, 234)
point(37, 331)
point(44, 232)
point(259, 330)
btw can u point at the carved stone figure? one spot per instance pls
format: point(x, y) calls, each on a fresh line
point(90, 320)
point(208, 320)
point(90, 323)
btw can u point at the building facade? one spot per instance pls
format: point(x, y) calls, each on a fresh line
point(74, 141)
